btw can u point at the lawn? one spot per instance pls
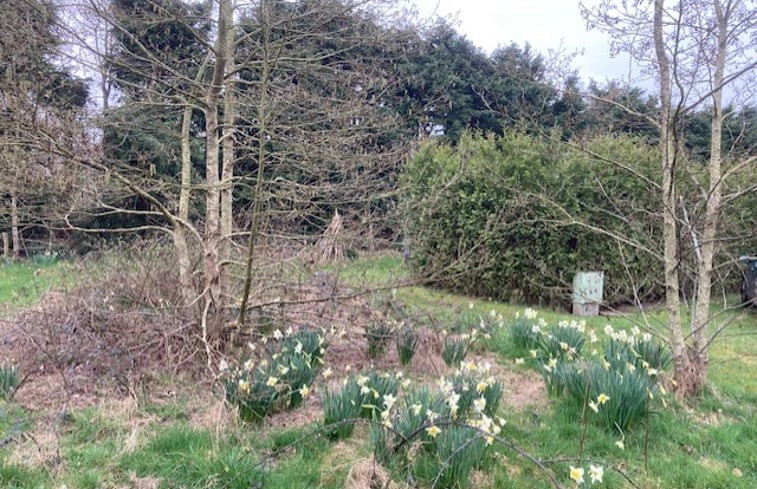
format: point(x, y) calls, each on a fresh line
point(180, 435)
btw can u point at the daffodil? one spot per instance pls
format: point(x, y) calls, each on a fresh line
point(416, 408)
point(519, 361)
point(244, 386)
point(577, 474)
point(595, 473)
point(304, 390)
point(602, 398)
point(389, 401)
point(620, 444)
point(433, 430)
point(594, 407)
point(479, 404)
point(271, 381)
point(327, 373)
point(481, 387)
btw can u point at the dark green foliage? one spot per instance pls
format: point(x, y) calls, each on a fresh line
point(492, 217)
point(638, 352)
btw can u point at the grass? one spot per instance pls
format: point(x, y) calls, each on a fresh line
point(23, 282)
point(710, 442)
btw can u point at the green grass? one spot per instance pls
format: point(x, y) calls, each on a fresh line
point(23, 282)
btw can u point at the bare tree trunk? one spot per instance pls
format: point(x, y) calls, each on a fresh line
point(213, 238)
point(227, 167)
point(262, 119)
point(6, 245)
point(701, 315)
point(669, 226)
point(186, 283)
point(15, 233)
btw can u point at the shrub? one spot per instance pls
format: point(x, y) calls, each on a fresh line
point(377, 335)
point(454, 350)
point(476, 227)
point(407, 343)
point(9, 380)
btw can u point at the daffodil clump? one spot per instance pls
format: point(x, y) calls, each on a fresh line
point(615, 383)
point(472, 328)
point(441, 435)
point(378, 335)
point(525, 330)
point(407, 342)
point(361, 396)
point(281, 379)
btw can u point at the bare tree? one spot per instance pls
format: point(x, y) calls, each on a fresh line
point(696, 50)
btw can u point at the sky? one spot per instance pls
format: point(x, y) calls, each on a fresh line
point(545, 24)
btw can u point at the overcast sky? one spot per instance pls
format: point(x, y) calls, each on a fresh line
point(542, 23)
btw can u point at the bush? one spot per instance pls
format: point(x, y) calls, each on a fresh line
point(476, 224)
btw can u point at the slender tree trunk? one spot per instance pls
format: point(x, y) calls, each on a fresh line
point(183, 260)
point(669, 226)
point(262, 118)
point(6, 245)
point(214, 302)
point(227, 167)
point(701, 315)
point(15, 233)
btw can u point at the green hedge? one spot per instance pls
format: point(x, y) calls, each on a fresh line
point(511, 218)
